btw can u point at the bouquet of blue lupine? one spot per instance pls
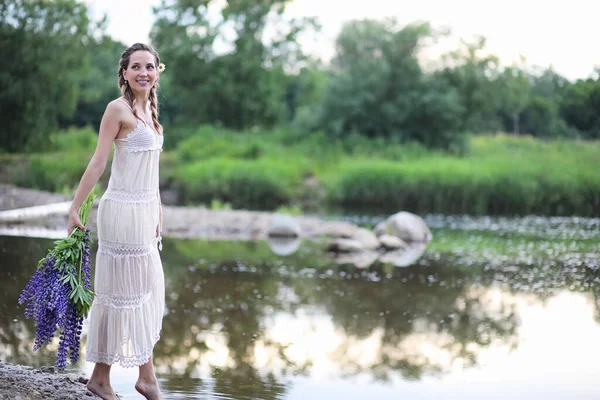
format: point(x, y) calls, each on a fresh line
point(59, 295)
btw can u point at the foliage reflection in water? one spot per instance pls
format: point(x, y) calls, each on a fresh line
point(242, 322)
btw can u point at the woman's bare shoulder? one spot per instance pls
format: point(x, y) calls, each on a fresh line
point(118, 105)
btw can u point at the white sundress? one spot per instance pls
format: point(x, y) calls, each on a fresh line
point(125, 319)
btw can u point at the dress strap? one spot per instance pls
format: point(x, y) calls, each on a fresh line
point(125, 101)
point(140, 119)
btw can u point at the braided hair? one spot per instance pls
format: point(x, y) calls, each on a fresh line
point(126, 90)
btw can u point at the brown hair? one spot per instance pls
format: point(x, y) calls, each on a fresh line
point(126, 90)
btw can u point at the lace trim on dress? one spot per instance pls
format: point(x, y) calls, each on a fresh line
point(136, 196)
point(124, 249)
point(142, 149)
point(121, 302)
point(143, 138)
point(126, 362)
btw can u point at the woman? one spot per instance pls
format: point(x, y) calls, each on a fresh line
point(126, 316)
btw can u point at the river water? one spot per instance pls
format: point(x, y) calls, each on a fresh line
point(494, 308)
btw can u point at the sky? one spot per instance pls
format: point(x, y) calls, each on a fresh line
point(558, 33)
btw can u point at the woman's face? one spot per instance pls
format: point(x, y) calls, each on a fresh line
point(141, 73)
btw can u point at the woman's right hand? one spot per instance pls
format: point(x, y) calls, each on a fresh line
point(74, 222)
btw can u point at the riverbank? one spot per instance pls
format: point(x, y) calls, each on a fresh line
point(12, 197)
point(178, 221)
point(18, 382)
point(399, 236)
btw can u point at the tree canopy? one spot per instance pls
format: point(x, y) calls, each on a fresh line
point(241, 65)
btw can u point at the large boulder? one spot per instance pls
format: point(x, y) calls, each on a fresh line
point(339, 229)
point(406, 226)
point(367, 238)
point(282, 225)
point(341, 233)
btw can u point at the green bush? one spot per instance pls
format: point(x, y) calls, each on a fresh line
point(501, 174)
point(74, 139)
point(505, 175)
point(55, 172)
point(262, 184)
point(209, 142)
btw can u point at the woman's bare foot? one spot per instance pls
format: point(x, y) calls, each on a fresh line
point(148, 388)
point(103, 390)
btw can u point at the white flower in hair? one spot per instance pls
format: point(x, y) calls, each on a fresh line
point(161, 67)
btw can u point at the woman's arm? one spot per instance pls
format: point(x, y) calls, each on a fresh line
point(109, 129)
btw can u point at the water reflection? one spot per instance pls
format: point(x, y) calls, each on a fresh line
point(404, 257)
point(244, 323)
point(284, 246)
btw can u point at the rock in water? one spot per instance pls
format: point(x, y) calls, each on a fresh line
point(341, 245)
point(284, 246)
point(404, 257)
point(406, 226)
point(367, 238)
point(283, 226)
point(392, 242)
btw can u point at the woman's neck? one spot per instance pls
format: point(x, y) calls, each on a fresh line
point(141, 98)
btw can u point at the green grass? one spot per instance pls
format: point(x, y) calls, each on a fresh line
point(502, 175)
point(54, 172)
point(268, 169)
point(262, 184)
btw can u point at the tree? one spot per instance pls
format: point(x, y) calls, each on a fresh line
point(471, 74)
point(228, 70)
point(436, 118)
point(541, 116)
point(375, 79)
point(580, 107)
point(377, 88)
point(42, 45)
point(305, 88)
point(514, 88)
point(99, 85)
point(549, 84)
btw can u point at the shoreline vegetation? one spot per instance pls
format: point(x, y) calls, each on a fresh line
point(272, 170)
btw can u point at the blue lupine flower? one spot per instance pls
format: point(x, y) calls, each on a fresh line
point(58, 296)
point(86, 266)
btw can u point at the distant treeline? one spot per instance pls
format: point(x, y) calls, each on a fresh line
point(59, 70)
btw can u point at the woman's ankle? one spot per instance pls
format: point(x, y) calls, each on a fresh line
point(148, 379)
point(99, 380)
